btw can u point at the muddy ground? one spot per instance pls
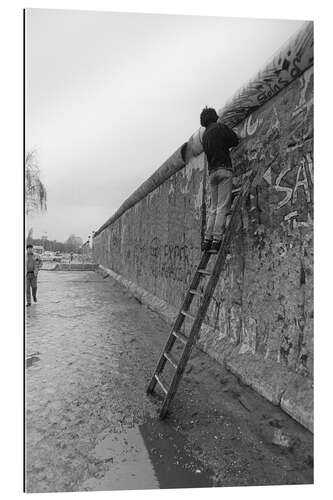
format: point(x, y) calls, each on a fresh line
point(90, 351)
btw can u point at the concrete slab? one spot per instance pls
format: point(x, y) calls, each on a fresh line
point(297, 401)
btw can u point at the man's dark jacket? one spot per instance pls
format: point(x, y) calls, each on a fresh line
point(217, 139)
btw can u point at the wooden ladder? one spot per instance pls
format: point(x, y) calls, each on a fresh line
point(211, 277)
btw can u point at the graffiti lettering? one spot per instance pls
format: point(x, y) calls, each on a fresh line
point(155, 252)
point(252, 127)
point(296, 70)
point(309, 163)
point(301, 182)
point(291, 215)
point(284, 189)
point(170, 261)
point(139, 257)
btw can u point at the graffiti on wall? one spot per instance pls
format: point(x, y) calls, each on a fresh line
point(291, 184)
point(302, 180)
point(139, 257)
point(171, 260)
point(285, 147)
point(114, 238)
point(287, 65)
point(301, 120)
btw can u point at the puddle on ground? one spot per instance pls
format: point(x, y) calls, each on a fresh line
point(148, 456)
point(31, 359)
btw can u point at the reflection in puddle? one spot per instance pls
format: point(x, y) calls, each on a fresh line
point(148, 456)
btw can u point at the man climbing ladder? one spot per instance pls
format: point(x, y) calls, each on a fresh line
point(216, 245)
point(206, 278)
point(217, 139)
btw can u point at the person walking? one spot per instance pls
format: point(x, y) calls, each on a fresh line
point(32, 268)
point(217, 140)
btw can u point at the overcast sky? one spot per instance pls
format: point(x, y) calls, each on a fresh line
point(109, 97)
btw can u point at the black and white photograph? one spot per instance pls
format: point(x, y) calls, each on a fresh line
point(168, 251)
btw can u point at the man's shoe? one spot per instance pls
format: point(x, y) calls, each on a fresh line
point(215, 246)
point(206, 244)
point(35, 299)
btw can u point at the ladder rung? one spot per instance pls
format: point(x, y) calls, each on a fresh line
point(161, 384)
point(180, 336)
point(188, 315)
point(171, 360)
point(195, 292)
point(203, 271)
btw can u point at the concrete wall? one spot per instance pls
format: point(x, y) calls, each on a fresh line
point(260, 321)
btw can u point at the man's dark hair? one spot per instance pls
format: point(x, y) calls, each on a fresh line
point(208, 116)
point(29, 246)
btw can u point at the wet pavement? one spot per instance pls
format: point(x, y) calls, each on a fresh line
point(148, 456)
point(90, 352)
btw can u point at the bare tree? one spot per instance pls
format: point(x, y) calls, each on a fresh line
point(35, 191)
point(30, 235)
